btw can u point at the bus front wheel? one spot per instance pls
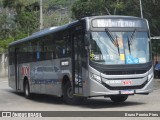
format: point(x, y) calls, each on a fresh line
point(119, 98)
point(27, 90)
point(68, 95)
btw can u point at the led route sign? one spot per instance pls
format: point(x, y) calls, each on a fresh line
point(118, 23)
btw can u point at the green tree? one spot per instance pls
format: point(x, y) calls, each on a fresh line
point(57, 12)
point(151, 9)
point(26, 20)
point(16, 21)
point(83, 8)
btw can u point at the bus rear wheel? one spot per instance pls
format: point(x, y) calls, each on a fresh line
point(27, 90)
point(119, 98)
point(68, 95)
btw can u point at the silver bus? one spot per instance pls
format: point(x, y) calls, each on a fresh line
point(107, 56)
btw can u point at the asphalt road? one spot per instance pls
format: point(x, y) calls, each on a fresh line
point(12, 101)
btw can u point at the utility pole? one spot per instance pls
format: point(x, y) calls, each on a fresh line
point(141, 9)
point(41, 15)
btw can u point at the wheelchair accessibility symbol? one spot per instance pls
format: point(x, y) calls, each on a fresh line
point(131, 60)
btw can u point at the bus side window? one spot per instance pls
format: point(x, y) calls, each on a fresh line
point(22, 53)
point(39, 50)
point(67, 47)
point(33, 51)
point(62, 45)
point(30, 52)
point(49, 48)
point(11, 55)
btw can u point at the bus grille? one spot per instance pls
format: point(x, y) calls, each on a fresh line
point(124, 87)
point(125, 72)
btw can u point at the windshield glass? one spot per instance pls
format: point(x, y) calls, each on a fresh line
point(120, 47)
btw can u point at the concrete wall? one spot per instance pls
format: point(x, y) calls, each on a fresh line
point(3, 65)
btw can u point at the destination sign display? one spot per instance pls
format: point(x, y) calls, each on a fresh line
point(117, 23)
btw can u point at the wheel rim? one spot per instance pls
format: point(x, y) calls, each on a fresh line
point(70, 92)
point(26, 90)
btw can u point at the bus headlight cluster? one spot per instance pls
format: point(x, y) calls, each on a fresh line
point(95, 77)
point(150, 75)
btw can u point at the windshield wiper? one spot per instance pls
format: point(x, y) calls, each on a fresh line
point(129, 46)
point(130, 40)
point(132, 36)
point(113, 40)
point(117, 45)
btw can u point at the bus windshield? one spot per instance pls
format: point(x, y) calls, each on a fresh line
point(119, 47)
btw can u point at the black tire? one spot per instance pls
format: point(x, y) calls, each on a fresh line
point(27, 90)
point(68, 95)
point(119, 98)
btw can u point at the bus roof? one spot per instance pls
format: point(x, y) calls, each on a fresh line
point(63, 27)
point(42, 33)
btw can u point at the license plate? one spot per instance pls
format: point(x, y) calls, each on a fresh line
point(127, 91)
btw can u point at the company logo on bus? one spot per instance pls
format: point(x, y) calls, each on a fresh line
point(127, 82)
point(25, 71)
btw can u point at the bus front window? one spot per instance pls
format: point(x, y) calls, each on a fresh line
point(120, 47)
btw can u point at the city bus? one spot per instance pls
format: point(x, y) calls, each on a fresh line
point(97, 56)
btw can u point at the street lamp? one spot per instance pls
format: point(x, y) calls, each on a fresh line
point(41, 16)
point(141, 9)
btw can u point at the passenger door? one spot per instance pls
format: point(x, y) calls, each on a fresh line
point(77, 46)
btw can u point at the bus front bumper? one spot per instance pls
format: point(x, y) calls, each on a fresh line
point(99, 89)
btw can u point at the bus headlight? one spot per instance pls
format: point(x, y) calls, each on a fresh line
point(95, 77)
point(150, 75)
